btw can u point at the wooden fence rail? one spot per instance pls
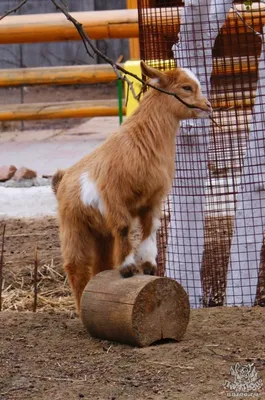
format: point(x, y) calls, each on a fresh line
point(102, 73)
point(37, 28)
point(106, 24)
point(66, 109)
point(67, 75)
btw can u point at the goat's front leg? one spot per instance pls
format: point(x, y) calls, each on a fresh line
point(124, 254)
point(147, 251)
point(120, 222)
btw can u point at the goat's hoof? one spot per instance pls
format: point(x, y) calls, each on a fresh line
point(128, 270)
point(149, 268)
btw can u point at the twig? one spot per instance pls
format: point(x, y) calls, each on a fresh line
point(1, 264)
point(35, 280)
point(244, 22)
point(14, 388)
point(215, 123)
point(170, 365)
point(13, 10)
point(52, 378)
point(116, 67)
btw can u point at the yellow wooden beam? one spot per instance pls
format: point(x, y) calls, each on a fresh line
point(109, 24)
point(55, 27)
point(67, 109)
point(67, 75)
point(102, 73)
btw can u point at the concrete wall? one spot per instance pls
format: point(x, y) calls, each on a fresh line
point(59, 53)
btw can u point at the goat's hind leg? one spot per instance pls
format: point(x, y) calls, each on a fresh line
point(78, 250)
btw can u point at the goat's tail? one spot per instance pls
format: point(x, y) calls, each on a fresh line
point(56, 179)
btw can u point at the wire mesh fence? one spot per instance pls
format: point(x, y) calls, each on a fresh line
point(212, 236)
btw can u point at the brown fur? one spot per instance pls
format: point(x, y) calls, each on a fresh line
point(133, 172)
point(56, 179)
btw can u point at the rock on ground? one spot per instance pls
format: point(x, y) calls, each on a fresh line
point(24, 173)
point(7, 172)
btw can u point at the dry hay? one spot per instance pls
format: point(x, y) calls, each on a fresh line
point(53, 291)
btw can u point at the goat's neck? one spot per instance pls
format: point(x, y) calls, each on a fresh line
point(155, 124)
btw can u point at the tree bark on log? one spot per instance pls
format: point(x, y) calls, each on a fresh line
point(138, 311)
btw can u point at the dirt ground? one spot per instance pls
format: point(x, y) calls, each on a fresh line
point(49, 355)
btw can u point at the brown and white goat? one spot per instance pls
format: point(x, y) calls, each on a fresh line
point(124, 179)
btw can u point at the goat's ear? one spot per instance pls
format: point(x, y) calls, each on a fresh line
point(154, 74)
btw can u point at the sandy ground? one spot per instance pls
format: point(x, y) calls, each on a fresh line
point(49, 355)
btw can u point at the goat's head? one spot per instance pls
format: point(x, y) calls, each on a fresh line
point(185, 85)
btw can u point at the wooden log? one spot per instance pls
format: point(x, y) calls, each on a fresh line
point(101, 73)
point(108, 24)
point(139, 310)
point(67, 75)
point(66, 109)
point(55, 27)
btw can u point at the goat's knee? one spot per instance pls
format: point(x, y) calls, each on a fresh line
point(147, 251)
point(124, 254)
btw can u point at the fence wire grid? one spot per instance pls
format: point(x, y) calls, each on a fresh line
point(212, 235)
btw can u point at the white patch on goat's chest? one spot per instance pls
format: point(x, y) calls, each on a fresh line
point(192, 76)
point(89, 193)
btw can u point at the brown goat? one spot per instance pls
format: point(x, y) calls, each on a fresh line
point(125, 179)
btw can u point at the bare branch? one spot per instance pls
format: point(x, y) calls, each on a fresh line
point(238, 14)
point(2, 264)
point(35, 280)
point(13, 10)
point(116, 67)
point(91, 50)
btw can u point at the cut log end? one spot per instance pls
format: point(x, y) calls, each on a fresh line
point(139, 310)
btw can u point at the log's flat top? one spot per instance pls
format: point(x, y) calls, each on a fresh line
point(112, 286)
point(111, 282)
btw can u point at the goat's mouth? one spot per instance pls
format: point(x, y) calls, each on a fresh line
point(200, 113)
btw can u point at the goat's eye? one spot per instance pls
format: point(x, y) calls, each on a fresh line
point(187, 88)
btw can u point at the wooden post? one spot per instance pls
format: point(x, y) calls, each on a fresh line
point(139, 310)
point(133, 43)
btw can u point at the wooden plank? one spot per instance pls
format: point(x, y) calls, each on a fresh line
point(67, 75)
point(66, 109)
